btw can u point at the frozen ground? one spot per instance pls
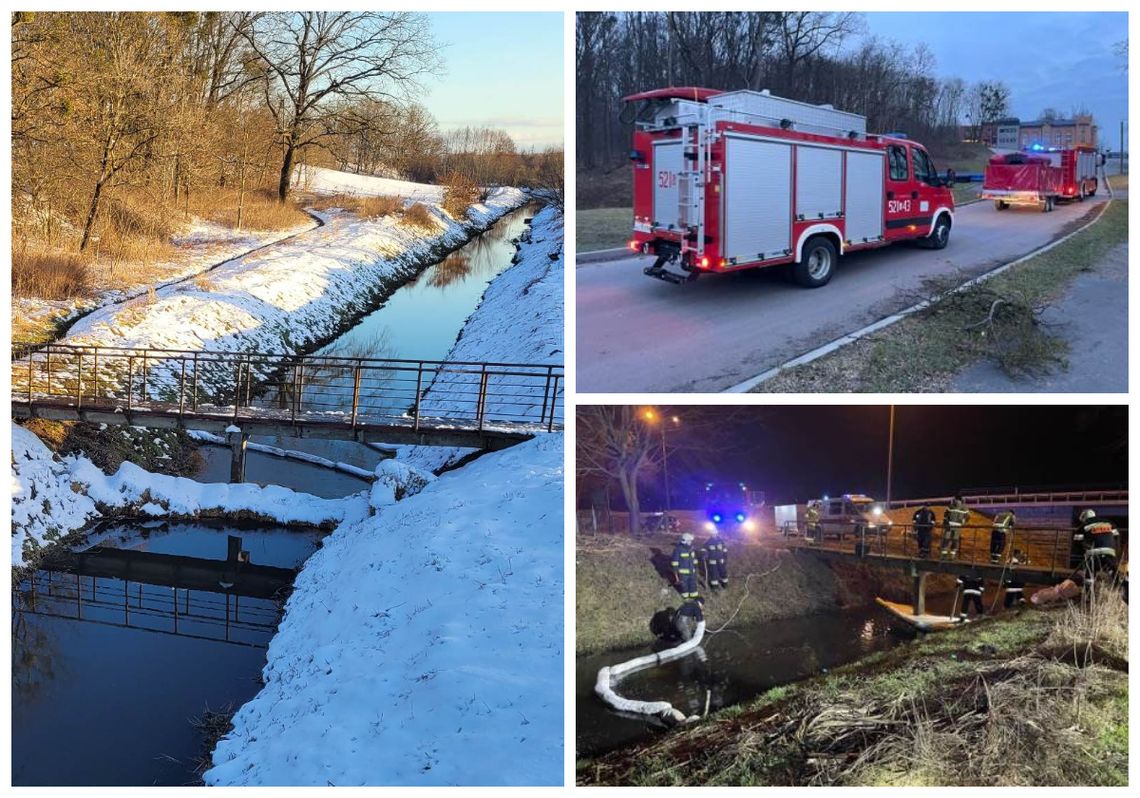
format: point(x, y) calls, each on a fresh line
point(53, 496)
point(519, 320)
point(422, 645)
point(319, 180)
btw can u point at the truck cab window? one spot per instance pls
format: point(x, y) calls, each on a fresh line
point(897, 158)
point(923, 168)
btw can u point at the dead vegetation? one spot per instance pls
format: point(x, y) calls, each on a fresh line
point(366, 207)
point(49, 275)
point(998, 703)
point(418, 215)
point(459, 193)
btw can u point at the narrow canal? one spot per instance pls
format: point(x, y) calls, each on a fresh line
point(108, 675)
point(732, 666)
point(419, 321)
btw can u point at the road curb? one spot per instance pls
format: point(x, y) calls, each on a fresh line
point(850, 338)
point(601, 255)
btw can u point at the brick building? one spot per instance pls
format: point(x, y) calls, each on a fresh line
point(1013, 134)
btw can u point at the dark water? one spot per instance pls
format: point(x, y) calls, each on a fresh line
point(419, 321)
point(733, 666)
point(109, 699)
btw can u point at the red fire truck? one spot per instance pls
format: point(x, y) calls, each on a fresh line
point(724, 181)
point(1040, 176)
point(1018, 178)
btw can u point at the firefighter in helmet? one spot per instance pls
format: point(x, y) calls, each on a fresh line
point(812, 528)
point(684, 564)
point(952, 522)
point(1099, 538)
point(924, 529)
point(1002, 529)
point(971, 587)
point(715, 555)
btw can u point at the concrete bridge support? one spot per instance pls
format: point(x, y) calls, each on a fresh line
point(238, 447)
point(918, 590)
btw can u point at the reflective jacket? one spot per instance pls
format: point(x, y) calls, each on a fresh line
point(1004, 521)
point(715, 551)
point(1098, 536)
point(971, 585)
point(683, 561)
point(956, 514)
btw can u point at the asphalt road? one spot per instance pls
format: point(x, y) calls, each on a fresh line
point(638, 334)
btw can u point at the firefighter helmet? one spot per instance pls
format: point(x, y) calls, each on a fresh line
point(1087, 515)
point(687, 538)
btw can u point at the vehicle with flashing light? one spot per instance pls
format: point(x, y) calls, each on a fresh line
point(729, 506)
point(854, 515)
point(1041, 176)
point(724, 181)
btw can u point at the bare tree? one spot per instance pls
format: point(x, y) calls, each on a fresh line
point(313, 62)
point(615, 444)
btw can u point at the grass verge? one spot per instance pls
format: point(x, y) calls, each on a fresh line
point(158, 451)
point(997, 702)
point(603, 228)
point(923, 352)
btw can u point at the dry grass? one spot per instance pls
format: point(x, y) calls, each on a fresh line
point(418, 215)
point(459, 194)
point(261, 210)
point(49, 275)
point(366, 207)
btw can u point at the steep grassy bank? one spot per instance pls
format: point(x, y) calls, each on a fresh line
point(621, 582)
point(1038, 698)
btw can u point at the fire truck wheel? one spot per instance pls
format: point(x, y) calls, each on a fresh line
point(817, 264)
point(940, 235)
point(1001, 205)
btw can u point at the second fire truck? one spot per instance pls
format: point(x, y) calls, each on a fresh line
point(724, 181)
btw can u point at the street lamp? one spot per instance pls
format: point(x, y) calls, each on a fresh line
point(652, 416)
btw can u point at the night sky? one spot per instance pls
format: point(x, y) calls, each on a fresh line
point(793, 453)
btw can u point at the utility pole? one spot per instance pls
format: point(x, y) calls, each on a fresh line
point(1121, 146)
point(890, 452)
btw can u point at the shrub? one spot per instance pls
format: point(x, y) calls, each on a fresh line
point(49, 275)
point(367, 207)
point(418, 215)
point(459, 194)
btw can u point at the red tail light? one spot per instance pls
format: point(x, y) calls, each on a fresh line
point(633, 246)
point(704, 263)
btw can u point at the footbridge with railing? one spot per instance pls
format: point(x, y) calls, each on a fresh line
point(441, 403)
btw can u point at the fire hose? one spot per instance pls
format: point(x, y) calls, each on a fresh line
point(611, 675)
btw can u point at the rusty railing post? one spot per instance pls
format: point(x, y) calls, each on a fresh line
point(30, 380)
point(182, 391)
point(142, 393)
point(545, 395)
point(553, 403)
point(296, 392)
point(482, 406)
point(48, 388)
point(95, 358)
point(355, 392)
point(78, 380)
point(419, 393)
point(130, 381)
point(194, 386)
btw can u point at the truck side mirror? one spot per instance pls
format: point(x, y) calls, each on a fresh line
point(951, 177)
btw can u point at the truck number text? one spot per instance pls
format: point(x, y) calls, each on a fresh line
point(898, 206)
point(666, 179)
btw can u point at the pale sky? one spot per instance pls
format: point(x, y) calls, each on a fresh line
point(1062, 60)
point(501, 70)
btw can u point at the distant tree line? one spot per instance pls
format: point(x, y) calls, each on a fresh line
point(815, 57)
point(118, 118)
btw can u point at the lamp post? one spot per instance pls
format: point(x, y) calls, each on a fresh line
point(652, 416)
point(890, 452)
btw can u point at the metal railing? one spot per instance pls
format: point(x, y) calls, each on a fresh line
point(353, 392)
point(1049, 550)
point(177, 611)
point(1044, 497)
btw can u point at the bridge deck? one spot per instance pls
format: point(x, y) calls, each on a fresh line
point(479, 405)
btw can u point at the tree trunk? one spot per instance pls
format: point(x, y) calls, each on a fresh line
point(629, 493)
point(286, 172)
point(92, 211)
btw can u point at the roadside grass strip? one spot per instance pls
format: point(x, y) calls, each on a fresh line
point(994, 316)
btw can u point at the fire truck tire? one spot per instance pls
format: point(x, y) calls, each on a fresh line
point(940, 235)
point(1001, 205)
point(817, 263)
